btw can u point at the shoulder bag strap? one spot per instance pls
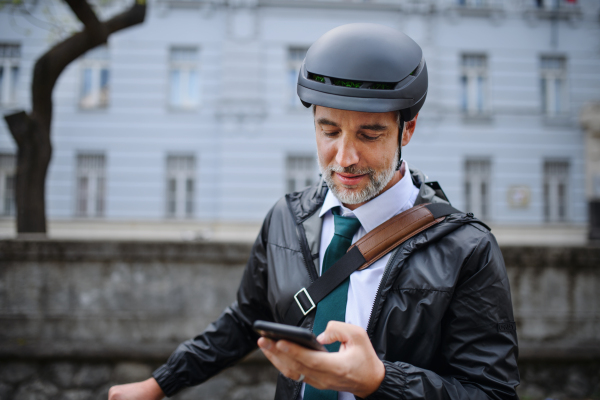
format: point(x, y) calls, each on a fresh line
point(365, 252)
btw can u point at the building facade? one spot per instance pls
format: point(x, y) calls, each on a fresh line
point(193, 114)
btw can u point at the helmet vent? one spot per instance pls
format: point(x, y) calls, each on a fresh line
point(351, 84)
point(317, 78)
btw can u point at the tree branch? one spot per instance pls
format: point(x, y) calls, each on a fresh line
point(49, 66)
point(83, 11)
point(135, 15)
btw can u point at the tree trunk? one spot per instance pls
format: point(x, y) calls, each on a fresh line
point(33, 157)
point(32, 131)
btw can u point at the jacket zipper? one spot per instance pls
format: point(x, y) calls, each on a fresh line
point(386, 274)
point(384, 278)
point(312, 273)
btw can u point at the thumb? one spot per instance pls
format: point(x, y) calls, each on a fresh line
point(336, 331)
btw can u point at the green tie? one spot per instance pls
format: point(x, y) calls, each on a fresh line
point(333, 306)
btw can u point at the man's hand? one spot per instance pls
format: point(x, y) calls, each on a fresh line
point(146, 390)
point(355, 368)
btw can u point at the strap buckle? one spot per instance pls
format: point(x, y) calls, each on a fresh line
point(309, 299)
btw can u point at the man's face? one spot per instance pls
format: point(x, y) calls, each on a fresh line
point(358, 152)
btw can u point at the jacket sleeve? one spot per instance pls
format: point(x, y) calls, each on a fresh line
point(478, 350)
point(230, 337)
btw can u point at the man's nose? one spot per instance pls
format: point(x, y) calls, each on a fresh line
point(347, 154)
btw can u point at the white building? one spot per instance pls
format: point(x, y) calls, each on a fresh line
point(191, 121)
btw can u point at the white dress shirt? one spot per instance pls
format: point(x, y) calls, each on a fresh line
point(364, 284)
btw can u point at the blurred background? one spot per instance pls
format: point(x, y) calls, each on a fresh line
point(172, 141)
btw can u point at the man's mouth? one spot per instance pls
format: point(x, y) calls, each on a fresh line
point(349, 179)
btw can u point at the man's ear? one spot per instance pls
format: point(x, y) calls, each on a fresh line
point(409, 129)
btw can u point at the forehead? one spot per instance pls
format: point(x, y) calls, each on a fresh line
point(352, 118)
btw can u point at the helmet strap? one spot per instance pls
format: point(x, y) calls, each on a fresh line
point(400, 134)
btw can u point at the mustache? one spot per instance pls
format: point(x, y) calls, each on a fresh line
point(352, 169)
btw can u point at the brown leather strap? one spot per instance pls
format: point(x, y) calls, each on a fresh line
point(393, 232)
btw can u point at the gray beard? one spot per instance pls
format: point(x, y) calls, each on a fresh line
point(377, 181)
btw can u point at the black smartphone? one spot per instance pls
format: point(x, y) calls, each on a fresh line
point(301, 336)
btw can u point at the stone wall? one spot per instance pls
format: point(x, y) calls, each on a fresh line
point(90, 380)
point(77, 317)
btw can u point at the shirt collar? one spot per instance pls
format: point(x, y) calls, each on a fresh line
point(379, 209)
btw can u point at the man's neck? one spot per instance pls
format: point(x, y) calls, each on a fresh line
point(395, 179)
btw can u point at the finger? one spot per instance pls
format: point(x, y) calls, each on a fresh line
point(287, 353)
point(320, 369)
point(337, 331)
point(277, 363)
point(287, 365)
point(265, 343)
point(309, 362)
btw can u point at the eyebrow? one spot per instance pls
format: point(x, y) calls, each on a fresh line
point(371, 127)
point(374, 127)
point(325, 121)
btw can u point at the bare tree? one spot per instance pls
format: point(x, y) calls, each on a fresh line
point(31, 132)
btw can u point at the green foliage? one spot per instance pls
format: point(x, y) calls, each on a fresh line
point(317, 78)
point(13, 3)
point(352, 84)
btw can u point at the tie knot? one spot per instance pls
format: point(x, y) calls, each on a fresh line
point(346, 226)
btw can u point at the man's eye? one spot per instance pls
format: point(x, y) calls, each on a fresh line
point(369, 137)
point(330, 134)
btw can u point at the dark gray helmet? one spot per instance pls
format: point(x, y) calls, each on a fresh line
point(364, 67)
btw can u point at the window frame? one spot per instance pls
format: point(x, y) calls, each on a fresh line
point(297, 174)
point(96, 61)
point(9, 92)
point(562, 177)
point(96, 187)
point(183, 198)
point(548, 94)
point(472, 93)
point(186, 66)
point(8, 171)
point(483, 210)
point(294, 65)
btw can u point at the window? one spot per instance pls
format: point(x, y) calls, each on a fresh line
point(183, 78)
point(8, 164)
point(301, 172)
point(295, 57)
point(474, 84)
point(91, 181)
point(553, 85)
point(556, 174)
point(477, 187)
point(9, 73)
point(472, 3)
point(555, 4)
point(95, 76)
point(180, 185)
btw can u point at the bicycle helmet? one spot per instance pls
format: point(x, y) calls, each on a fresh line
point(365, 67)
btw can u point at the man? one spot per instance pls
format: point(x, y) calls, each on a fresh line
point(431, 319)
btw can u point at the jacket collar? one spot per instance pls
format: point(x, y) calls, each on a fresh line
point(305, 203)
point(379, 209)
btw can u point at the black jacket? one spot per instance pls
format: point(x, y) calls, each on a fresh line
point(442, 320)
